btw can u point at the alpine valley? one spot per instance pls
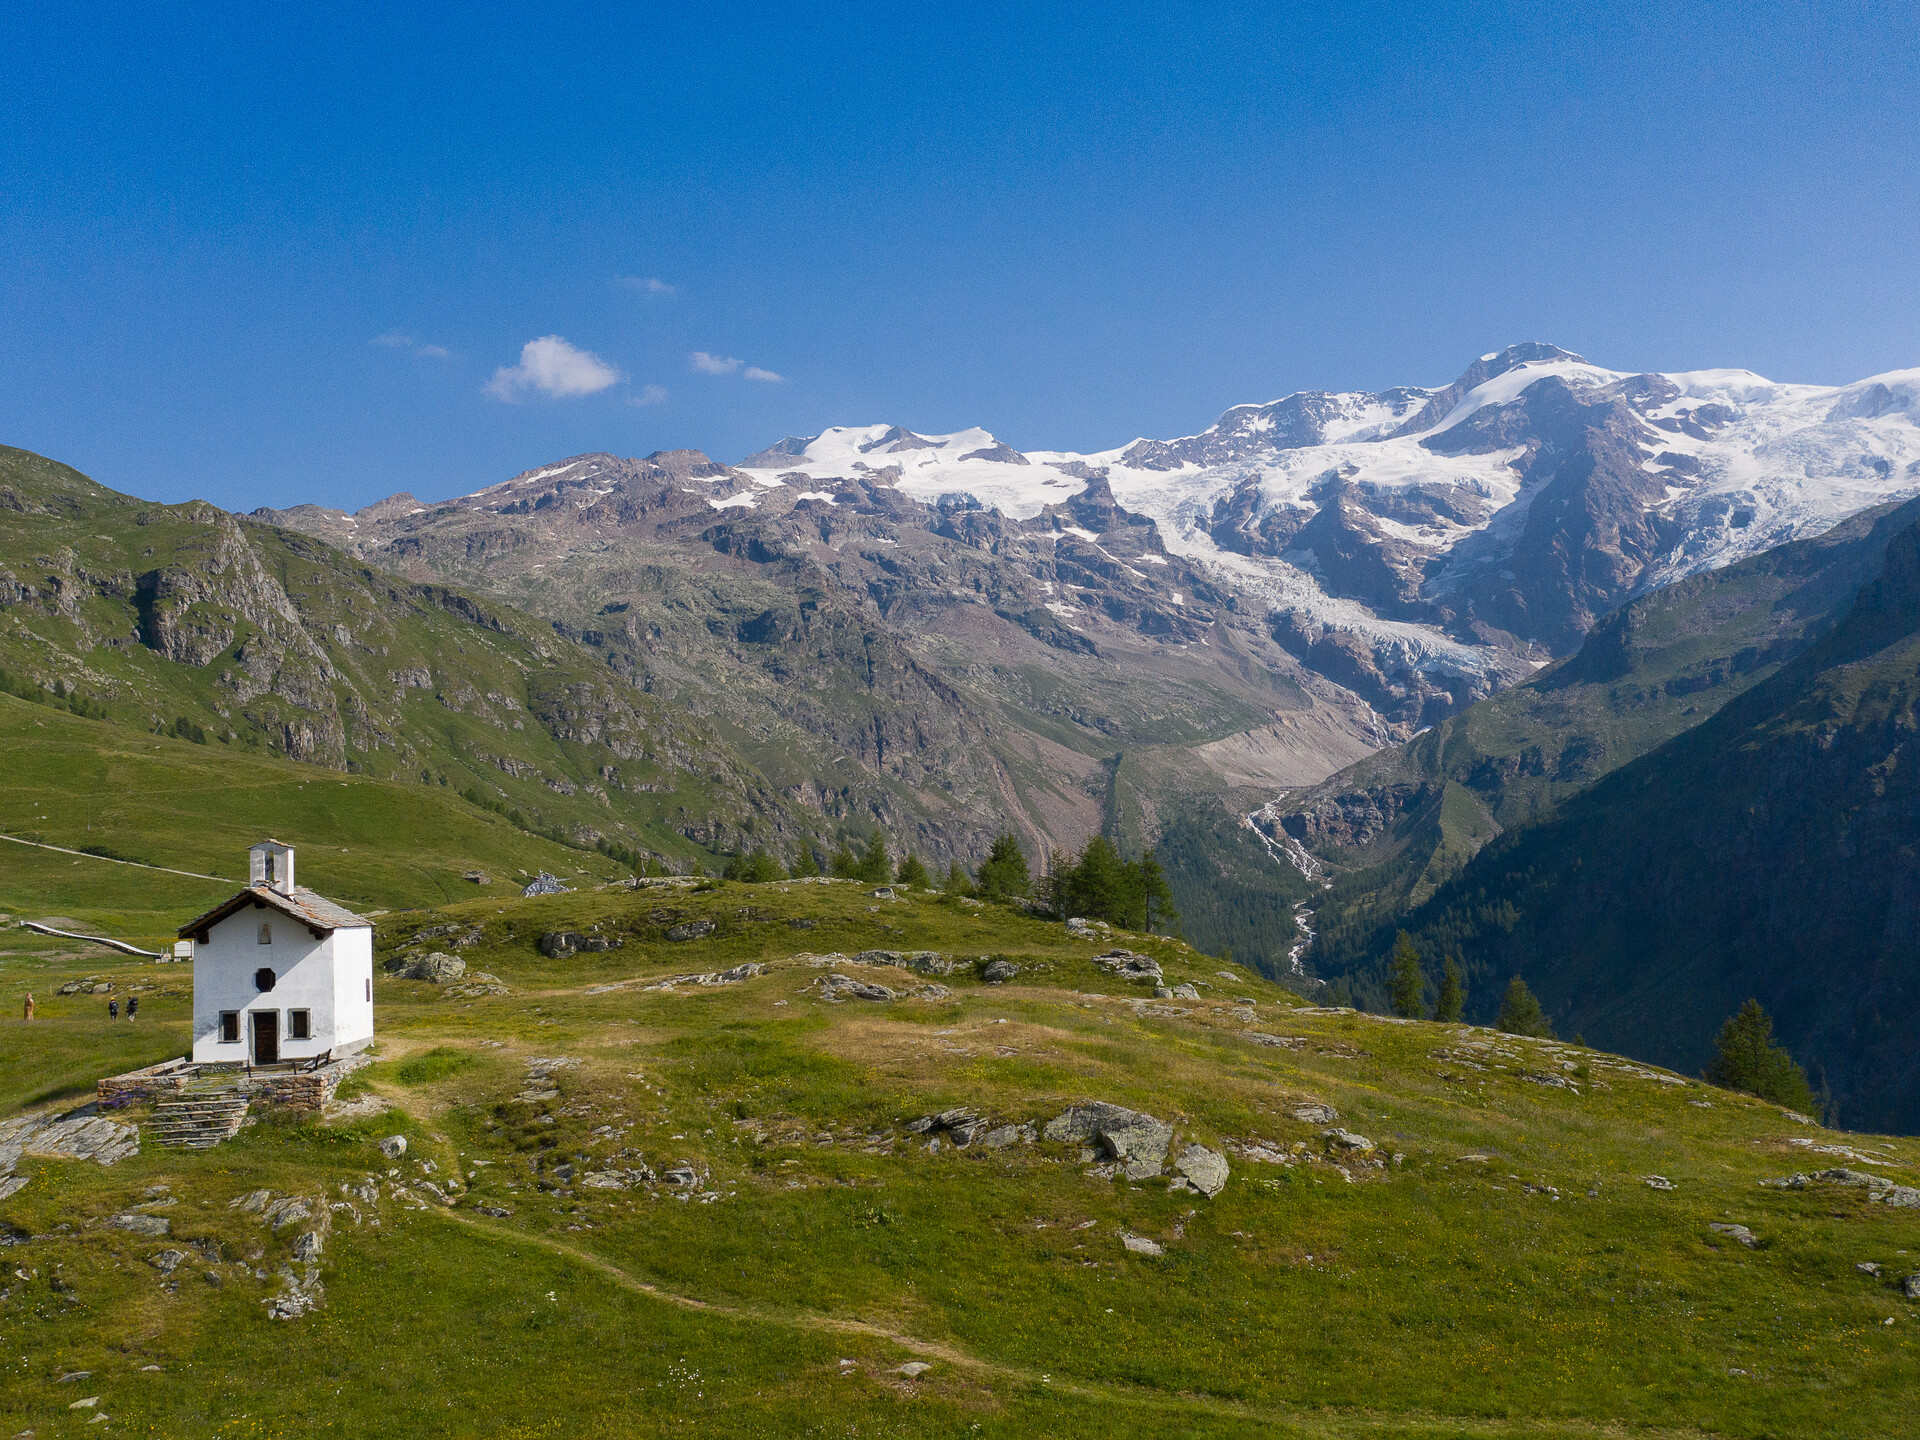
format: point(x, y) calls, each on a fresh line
point(1316, 656)
point(1550, 706)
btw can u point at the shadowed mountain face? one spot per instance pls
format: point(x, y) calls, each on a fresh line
point(1770, 851)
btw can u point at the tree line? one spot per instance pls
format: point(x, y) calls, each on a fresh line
point(1746, 1057)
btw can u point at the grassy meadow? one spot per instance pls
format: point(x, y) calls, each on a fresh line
point(1541, 1288)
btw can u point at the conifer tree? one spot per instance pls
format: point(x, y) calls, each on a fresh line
point(913, 873)
point(1747, 1059)
point(1405, 982)
point(1520, 1012)
point(956, 882)
point(1453, 994)
point(1004, 873)
point(807, 865)
point(875, 866)
point(844, 865)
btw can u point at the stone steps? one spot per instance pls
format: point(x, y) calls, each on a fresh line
point(198, 1118)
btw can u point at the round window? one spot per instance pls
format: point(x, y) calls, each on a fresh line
point(263, 980)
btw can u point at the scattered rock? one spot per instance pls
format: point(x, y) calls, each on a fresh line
point(913, 1369)
point(1660, 1182)
point(151, 1225)
point(394, 1146)
point(1005, 1135)
point(1338, 1139)
point(1880, 1190)
point(307, 1248)
point(712, 977)
point(1138, 1141)
point(838, 987)
point(440, 968)
point(1129, 965)
point(1910, 1287)
point(558, 944)
point(1868, 1267)
point(690, 930)
point(999, 972)
point(166, 1261)
point(1141, 1245)
point(1735, 1232)
point(1315, 1113)
point(1205, 1170)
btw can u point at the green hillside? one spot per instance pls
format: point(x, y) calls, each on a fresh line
point(76, 783)
point(260, 641)
point(764, 1241)
point(1771, 852)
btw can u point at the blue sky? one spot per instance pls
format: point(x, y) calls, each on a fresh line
point(264, 254)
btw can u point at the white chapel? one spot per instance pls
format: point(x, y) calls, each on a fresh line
point(279, 973)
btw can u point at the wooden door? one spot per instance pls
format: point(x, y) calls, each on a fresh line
point(266, 1037)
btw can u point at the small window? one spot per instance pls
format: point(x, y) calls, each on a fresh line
point(266, 934)
point(263, 980)
point(229, 1027)
point(369, 992)
point(297, 1026)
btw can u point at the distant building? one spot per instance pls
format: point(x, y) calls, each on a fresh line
point(279, 973)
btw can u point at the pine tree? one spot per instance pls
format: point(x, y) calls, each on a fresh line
point(956, 882)
point(843, 865)
point(808, 865)
point(1406, 983)
point(876, 866)
point(1747, 1059)
point(913, 873)
point(1453, 994)
point(1520, 1012)
point(1004, 873)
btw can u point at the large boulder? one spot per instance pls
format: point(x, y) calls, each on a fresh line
point(440, 968)
point(1130, 965)
point(1137, 1140)
point(1203, 1169)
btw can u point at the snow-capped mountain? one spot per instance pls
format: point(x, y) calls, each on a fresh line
point(1508, 508)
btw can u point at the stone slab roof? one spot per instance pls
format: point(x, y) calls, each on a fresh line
point(312, 910)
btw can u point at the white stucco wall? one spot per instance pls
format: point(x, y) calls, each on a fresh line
point(330, 978)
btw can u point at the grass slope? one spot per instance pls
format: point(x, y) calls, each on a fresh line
point(73, 782)
point(1541, 1289)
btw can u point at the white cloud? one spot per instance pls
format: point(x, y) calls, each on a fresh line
point(754, 372)
point(712, 364)
point(552, 367)
point(649, 285)
point(400, 340)
point(650, 395)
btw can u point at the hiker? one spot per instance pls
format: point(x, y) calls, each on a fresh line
point(29, 1006)
point(113, 1009)
point(133, 1006)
